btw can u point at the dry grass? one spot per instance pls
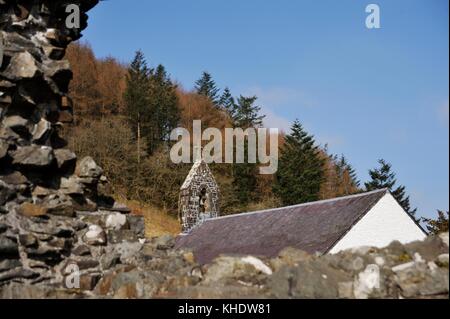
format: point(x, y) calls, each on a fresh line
point(157, 221)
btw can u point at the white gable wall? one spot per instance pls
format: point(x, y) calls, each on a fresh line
point(384, 223)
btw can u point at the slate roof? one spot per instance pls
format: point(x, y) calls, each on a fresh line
point(312, 227)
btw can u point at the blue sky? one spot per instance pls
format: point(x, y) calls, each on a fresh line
point(369, 94)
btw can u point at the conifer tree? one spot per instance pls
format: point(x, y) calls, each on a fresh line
point(301, 168)
point(384, 177)
point(207, 87)
point(438, 225)
point(164, 109)
point(228, 103)
point(344, 167)
point(245, 179)
point(136, 97)
point(247, 113)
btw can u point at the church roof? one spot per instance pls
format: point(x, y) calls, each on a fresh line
point(312, 227)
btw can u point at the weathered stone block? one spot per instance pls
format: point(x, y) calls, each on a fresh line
point(32, 210)
point(8, 247)
point(119, 236)
point(33, 156)
point(137, 225)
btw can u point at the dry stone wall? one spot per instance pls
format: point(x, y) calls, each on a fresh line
point(54, 210)
point(36, 168)
point(155, 270)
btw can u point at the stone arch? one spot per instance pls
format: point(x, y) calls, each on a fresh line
point(212, 195)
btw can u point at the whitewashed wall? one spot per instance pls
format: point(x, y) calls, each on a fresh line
point(384, 223)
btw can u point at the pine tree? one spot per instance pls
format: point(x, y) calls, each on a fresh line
point(245, 179)
point(207, 87)
point(164, 109)
point(439, 225)
point(353, 176)
point(383, 177)
point(136, 97)
point(228, 103)
point(247, 113)
point(301, 168)
point(344, 168)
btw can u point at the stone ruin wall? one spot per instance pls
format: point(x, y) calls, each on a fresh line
point(34, 104)
point(54, 208)
point(199, 178)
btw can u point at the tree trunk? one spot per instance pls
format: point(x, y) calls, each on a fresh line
point(139, 145)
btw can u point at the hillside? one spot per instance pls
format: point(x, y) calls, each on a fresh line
point(98, 90)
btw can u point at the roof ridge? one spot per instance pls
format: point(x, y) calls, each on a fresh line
point(323, 201)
